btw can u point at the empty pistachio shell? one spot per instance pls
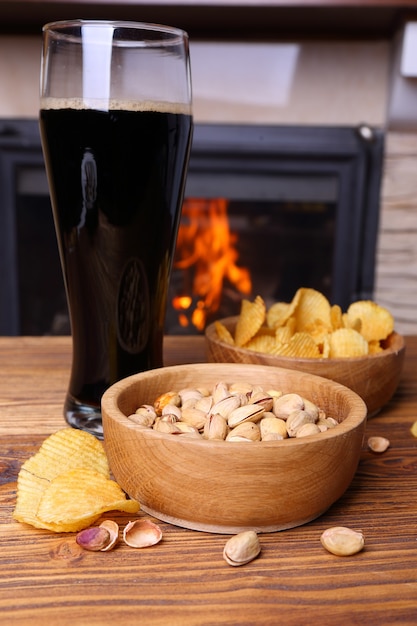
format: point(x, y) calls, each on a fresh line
point(378, 444)
point(242, 548)
point(342, 541)
point(142, 534)
point(113, 530)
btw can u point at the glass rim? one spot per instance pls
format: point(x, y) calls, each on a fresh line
point(60, 28)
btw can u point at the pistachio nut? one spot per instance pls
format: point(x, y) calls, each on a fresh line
point(249, 430)
point(311, 408)
point(242, 548)
point(272, 428)
point(204, 404)
point(215, 427)
point(286, 404)
point(308, 429)
point(194, 417)
point(171, 409)
point(296, 419)
point(263, 399)
point(165, 427)
point(94, 539)
point(170, 397)
point(378, 444)
point(342, 541)
point(226, 405)
point(220, 391)
point(189, 396)
point(247, 412)
point(142, 419)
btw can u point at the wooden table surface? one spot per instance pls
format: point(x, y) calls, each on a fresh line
point(46, 579)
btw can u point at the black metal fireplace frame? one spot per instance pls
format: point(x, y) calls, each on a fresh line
point(353, 155)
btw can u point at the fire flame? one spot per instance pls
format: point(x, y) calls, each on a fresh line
point(206, 247)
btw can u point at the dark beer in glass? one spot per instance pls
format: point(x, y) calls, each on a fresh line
point(116, 152)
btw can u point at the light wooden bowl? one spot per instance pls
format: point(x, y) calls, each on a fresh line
point(226, 487)
point(375, 378)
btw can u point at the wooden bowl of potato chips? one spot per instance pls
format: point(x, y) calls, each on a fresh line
point(358, 348)
point(200, 481)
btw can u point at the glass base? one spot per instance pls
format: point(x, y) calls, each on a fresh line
point(84, 417)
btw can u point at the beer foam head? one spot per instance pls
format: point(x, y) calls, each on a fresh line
point(78, 104)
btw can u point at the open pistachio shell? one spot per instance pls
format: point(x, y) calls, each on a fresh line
point(142, 534)
point(113, 530)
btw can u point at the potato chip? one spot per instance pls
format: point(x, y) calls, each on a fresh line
point(76, 499)
point(375, 347)
point(251, 318)
point(66, 449)
point(301, 345)
point(283, 334)
point(347, 342)
point(377, 322)
point(312, 305)
point(223, 333)
point(279, 313)
point(350, 322)
point(317, 330)
point(261, 343)
point(336, 317)
point(325, 347)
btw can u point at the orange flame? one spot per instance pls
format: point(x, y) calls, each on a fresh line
point(206, 246)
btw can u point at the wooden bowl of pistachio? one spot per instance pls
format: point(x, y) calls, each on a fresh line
point(222, 447)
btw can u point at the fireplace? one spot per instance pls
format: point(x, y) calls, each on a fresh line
point(267, 210)
point(302, 207)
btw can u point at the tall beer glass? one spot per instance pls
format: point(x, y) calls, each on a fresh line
point(116, 127)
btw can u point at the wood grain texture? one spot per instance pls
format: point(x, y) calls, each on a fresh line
point(46, 579)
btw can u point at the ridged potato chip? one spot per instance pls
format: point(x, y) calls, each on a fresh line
point(224, 333)
point(75, 499)
point(301, 345)
point(261, 343)
point(251, 318)
point(283, 334)
point(347, 342)
point(312, 305)
point(336, 317)
point(65, 451)
point(279, 312)
point(376, 322)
